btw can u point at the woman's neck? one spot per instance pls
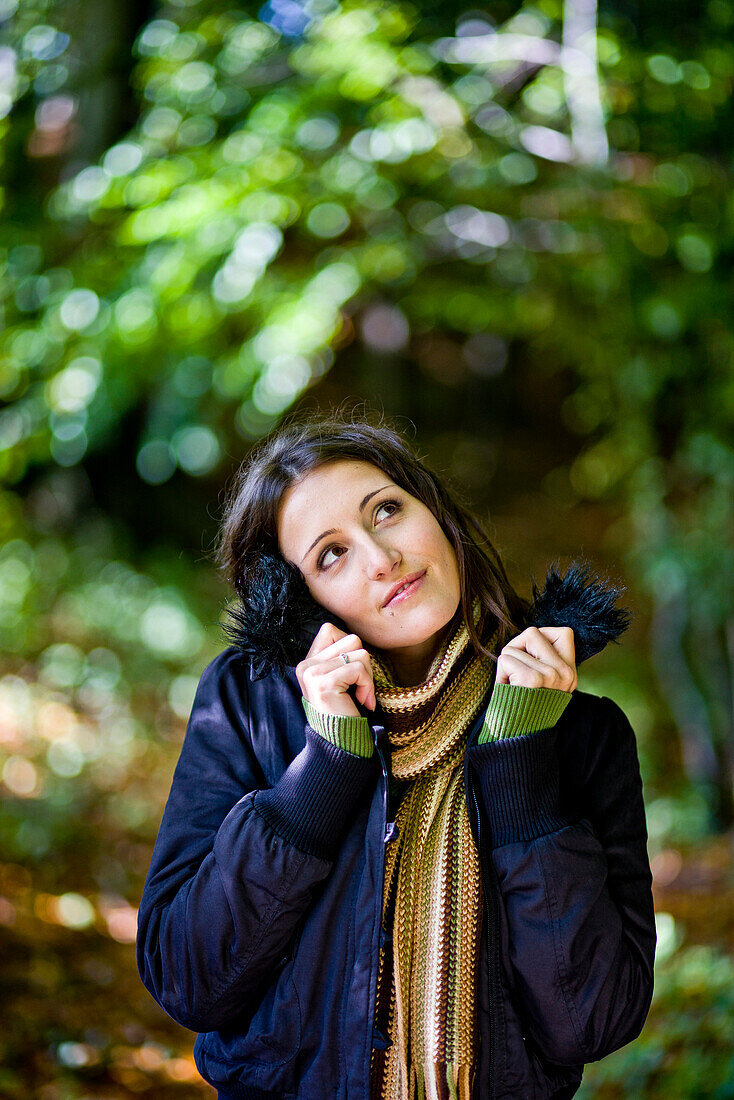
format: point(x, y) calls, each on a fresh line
point(412, 663)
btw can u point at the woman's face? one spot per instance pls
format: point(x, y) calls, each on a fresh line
point(354, 534)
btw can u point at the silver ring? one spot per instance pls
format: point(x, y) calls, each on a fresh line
point(345, 658)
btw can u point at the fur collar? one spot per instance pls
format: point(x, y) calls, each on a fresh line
point(585, 602)
point(276, 621)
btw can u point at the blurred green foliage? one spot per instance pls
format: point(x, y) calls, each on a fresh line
point(684, 1051)
point(199, 214)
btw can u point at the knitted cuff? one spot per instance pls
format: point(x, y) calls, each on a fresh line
point(519, 781)
point(514, 709)
point(314, 800)
point(346, 732)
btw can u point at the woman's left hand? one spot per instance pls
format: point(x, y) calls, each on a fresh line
point(542, 656)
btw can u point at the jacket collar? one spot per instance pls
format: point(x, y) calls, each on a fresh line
point(585, 602)
point(275, 625)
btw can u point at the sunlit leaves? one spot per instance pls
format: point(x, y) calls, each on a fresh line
point(363, 122)
point(440, 179)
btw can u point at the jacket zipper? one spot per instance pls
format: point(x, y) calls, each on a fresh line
point(381, 738)
point(492, 938)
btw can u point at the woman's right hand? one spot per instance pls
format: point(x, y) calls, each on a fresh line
point(325, 677)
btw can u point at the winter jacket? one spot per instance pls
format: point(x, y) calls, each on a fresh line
point(260, 920)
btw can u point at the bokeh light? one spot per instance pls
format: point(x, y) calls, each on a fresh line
point(507, 227)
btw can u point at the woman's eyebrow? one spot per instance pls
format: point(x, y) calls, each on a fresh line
point(332, 530)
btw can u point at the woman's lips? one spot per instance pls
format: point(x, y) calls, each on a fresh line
point(406, 593)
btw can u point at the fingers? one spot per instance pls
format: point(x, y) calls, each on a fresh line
point(563, 641)
point(327, 634)
point(337, 676)
point(339, 643)
point(514, 666)
point(325, 677)
point(539, 657)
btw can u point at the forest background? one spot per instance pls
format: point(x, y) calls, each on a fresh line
point(510, 228)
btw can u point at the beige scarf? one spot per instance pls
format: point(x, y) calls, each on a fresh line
point(432, 887)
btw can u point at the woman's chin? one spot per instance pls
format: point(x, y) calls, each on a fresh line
point(416, 630)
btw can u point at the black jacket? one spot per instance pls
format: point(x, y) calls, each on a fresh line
point(260, 920)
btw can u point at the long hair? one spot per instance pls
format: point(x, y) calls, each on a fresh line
point(274, 603)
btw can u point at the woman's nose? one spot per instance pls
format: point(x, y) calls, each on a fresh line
point(380, 558)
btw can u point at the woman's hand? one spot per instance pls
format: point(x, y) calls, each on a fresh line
point(542, 656)
point(325, 677)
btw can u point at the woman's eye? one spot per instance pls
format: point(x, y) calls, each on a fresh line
point(324, 564)
point(389, 504)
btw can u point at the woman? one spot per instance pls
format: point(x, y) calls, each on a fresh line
point(403, 856)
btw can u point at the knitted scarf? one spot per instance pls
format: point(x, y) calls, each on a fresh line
point(432, 887)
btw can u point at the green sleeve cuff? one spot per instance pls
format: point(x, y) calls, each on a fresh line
point(514, 710)
point(350, 733)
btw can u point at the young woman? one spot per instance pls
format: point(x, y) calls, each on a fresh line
point(403, 856)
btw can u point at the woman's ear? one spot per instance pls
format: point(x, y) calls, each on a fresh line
point(276, 618)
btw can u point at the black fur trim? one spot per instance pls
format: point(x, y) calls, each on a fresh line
point(275, 618)
point(583, 602)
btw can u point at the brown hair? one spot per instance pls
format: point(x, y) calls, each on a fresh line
point(300, 444)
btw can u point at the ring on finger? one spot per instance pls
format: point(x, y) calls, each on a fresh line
point(345, 658)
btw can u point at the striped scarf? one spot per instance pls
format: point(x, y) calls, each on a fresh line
point(432, 886)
